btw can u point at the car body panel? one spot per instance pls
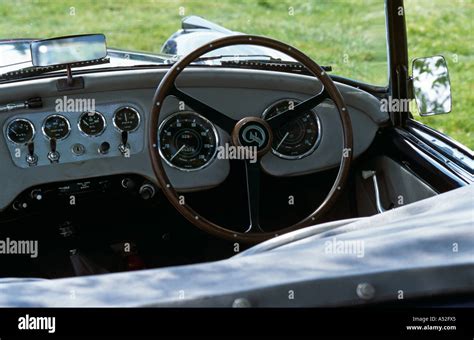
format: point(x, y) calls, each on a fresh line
point(424, 249)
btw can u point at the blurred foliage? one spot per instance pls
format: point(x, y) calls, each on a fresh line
point(349, 35)
point(447, 28)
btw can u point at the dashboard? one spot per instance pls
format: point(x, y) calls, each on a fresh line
point(108, 134)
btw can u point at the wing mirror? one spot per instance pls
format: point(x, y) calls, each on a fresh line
point(431, 86)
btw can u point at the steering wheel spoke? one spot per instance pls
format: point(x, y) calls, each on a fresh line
point(277, 121)
point(252, 176)
point(223, 121)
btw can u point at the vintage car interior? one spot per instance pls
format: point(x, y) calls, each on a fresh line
point(139, 182)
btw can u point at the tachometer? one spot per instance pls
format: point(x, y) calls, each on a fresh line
point(92, 123)
point(57, 127)
point(299, 137)
point(126, 119)
point(20, 131)
point(187, 141)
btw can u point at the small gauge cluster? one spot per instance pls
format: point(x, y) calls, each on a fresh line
point(60, 140)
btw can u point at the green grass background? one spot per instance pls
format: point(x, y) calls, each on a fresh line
point(347, 34)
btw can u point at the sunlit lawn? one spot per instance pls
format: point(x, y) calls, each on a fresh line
point(349, 35)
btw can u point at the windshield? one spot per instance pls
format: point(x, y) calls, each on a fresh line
point(348, 35)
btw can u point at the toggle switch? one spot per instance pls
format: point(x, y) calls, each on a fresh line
point(31, 158)
point(124, 148)
point(53, 155)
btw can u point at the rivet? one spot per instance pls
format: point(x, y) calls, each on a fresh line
point(241, 303)
point(365, 291)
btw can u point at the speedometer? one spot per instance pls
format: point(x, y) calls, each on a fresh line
point(187, 141)
point(299, 137)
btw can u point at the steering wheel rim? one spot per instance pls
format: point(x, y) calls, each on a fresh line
point(167, 87)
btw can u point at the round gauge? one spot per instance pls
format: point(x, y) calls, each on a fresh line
point(126, 119)
point(20, 131)
point(57, 127)
point(299, 137)
point(92, 123)
point(187, 141)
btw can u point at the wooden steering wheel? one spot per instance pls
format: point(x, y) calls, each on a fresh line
point(236, 130)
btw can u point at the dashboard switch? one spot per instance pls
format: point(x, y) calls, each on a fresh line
point(128, 183)
point(31, 158)
point(36, 194)
point(53, 155)
point(124, 148)
point(124, 137)
point(18, 205)
point(104, 148)
point(147, 191)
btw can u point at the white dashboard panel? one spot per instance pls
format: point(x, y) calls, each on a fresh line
point(237, 93)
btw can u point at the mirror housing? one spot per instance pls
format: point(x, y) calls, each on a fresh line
point(431, 85)
point(68, 50)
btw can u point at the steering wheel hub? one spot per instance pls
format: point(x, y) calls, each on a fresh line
point(253, 132)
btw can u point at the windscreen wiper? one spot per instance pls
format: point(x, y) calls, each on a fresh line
point(273, 65)
point(261, 62)
point(236, 56)
point(38, 70)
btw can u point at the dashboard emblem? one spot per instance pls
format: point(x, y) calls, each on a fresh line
point(254, 134)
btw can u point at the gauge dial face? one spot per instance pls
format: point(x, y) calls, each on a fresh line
point(126, 119)
point(187, 141)
point(92, 123)
point(20, 131)
point(57, 127)
point(299, 137)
